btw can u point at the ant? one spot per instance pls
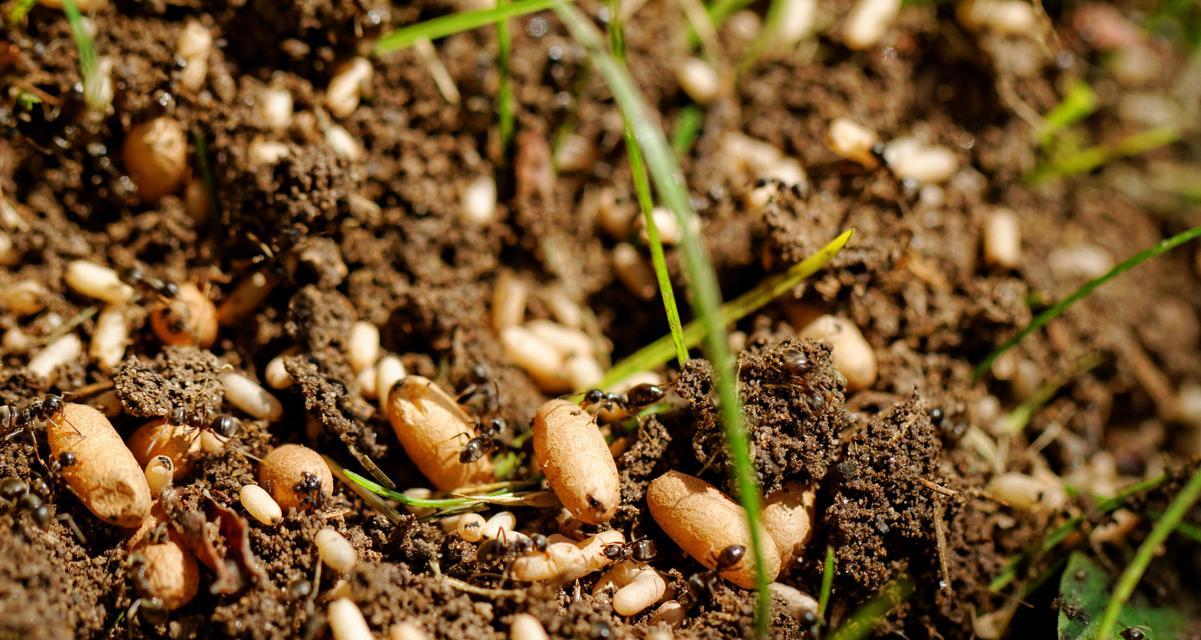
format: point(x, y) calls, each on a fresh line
point(487, 440)
point(481, 385)
point(18, 491)
point(135, 277)
point(310, 487)
point(12, 417)
point(223, 424)
point(636, 397)
point(640, 550)
point(501, 547)
point(702, 583)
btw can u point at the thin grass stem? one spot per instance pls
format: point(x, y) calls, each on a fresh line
point(870, 614)
point(456, 23)
point(706, 297)
point(1055, 311)
point(823, 601)
point(504, 96)
point(1163, 528)
point(659, 352)
point(642, 187)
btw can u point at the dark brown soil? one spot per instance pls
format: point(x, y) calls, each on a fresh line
point(901, 469)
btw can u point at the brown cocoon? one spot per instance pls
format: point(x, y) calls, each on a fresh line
point(105, 476)
point(284, 468)
point(156, 157)
point(576, 460)
point(433, 429)
point(171, 574)
point(159, 438)
point(788, 518)
point(702, 521)
point(189, 318)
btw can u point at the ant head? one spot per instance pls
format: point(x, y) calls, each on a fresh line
point(66, 459)
point(478, 374)
point(730, 556)
point(594, 396)
point(540, 541)
point(225, 425)
point(132, 275)
point(612, 551)
point(496, 425)
point(52, 404)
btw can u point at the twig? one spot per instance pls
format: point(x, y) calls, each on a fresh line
point(455, 583)
point(940, 537)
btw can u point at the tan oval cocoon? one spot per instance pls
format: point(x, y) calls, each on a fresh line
point(433, 429)
point(171, 573)
point(284, 468)
point(189, 318)
point(576, 460)
point(158, 438)
point(788, 518)
point(156, 156)
point(105, 476)
point(702, 521)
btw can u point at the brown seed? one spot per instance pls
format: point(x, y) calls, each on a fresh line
point(189, 318)
point(105, 476)
point(704, 521)
point(287, 469)
point(433, 429)
point(576, 460)
point(156, 156)
point(788, 518)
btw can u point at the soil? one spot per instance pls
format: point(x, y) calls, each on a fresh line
point(901, 470)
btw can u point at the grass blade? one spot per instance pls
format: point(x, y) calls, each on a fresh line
point(1010, 571)
point(1160, 532)
point(688, 126)
point(1079, 102)
point(367, 495)
point(83, 41)
point(1055, 311)
point(642, 187)
point(456, 23)
point(706, 297)
point(867, 617)
point(658, 352)
point(505, 94)
point(823, 601)
point(1086, 160)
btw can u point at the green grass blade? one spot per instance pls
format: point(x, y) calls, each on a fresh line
point(1017, 419)
point(688, 127)
point(867, 617)
point(1086, 160)
point(505, 94)
point(1055, 311)
point(456, 23)
point(823, 601)
point(1011, 569)
point(1159, 533)
point(18, 11)
point(642, 187)
point(83, 43)
point(367, 495)
point(659, 352)
point(706, 297)
point(1079, 102)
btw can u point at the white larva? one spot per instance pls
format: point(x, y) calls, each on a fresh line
point(526, 627)
point(195, 45)
point(478, 201)
point(388, 371)
point(363, 346)
point(346, 621)
point(347, 86)
point(110, 337)
point(509, 297)
point(275, 374)
point(249, 396)
point(852, 141)
point(159, 472)
point(275, 108)
point(56, 354)
point(541, 360)
point(1002, 239)
point(853, 356)
point(342, 143)
point(260, 505)
point(97, 281)
point(25, 298)
point(644, 590)
point(335, 550)
point(868, 22)
point(699, 80)
point(501, 523)
point(634, 271)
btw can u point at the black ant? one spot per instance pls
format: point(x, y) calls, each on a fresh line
point(701, 584)
point(223, 424)
point(640, 550)
point(636, 397)
point(12, 417)
point(481, 385)
point(310, 487)
point(18, 491)
point(501, 547)
point(135, 277)
point(486, 440)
